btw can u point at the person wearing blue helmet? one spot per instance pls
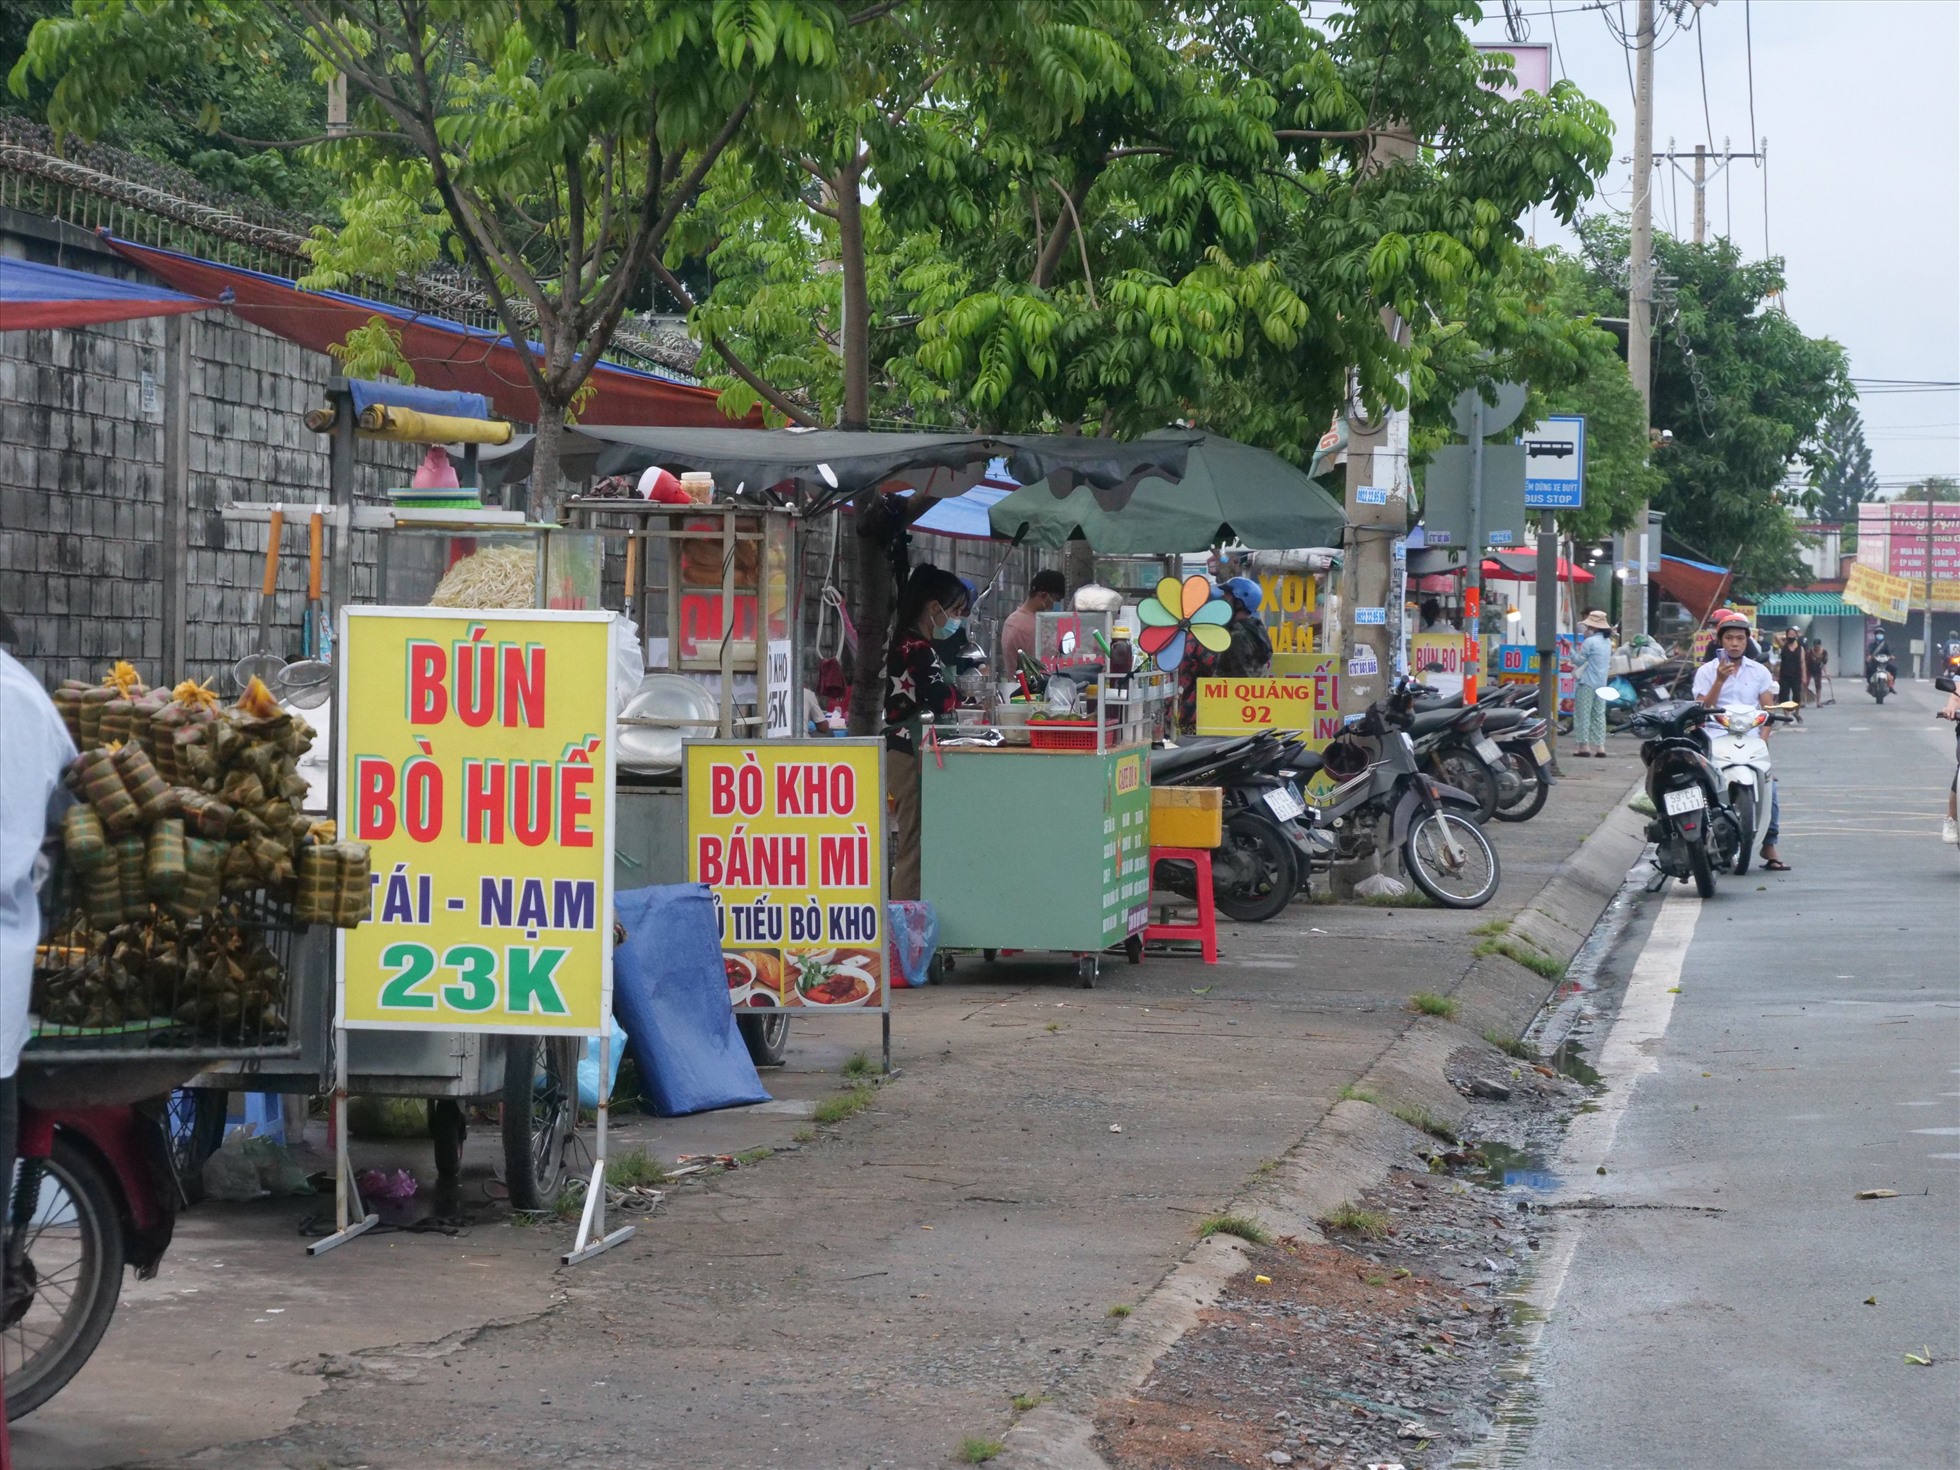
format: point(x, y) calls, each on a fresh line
point(1251, 652)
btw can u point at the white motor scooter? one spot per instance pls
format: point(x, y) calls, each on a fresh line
point(1741, 758)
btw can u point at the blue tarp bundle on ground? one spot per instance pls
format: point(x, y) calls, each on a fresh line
point(671, 993)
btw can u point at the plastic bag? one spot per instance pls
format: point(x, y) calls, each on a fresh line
point(248, 1167)
point(588, 1067)
point(628, 668)
point(914, 939)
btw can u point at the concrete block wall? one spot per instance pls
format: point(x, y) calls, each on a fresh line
point(90, 493)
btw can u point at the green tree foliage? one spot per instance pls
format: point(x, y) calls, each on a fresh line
point(550, 145)
point(1937, 488)
point(209, 114)
point(1744, 392)
point(1844, 477)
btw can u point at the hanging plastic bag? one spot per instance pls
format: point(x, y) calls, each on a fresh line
point(588, 1067)
point(914, 939)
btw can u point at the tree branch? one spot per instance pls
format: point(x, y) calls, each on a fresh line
point(886, 7)
point(741, 369)
point(1116, 153)
point(1083, 244)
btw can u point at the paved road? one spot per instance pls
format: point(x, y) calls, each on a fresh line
point(1812, 1051)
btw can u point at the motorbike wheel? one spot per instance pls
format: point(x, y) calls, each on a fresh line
point(1880, 693)
point(1745, 818)
point(766, 1036)
point(1702, 869)
point(540, 1111)
point(1254, 872)
point(1461, 767)
point(1536, 789)
point(197, 1128)
point(1468, 882)
point(65, 1264)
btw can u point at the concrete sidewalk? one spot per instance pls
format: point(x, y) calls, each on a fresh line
point(877, 1295)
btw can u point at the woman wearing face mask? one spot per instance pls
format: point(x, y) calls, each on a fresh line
point(932, 607)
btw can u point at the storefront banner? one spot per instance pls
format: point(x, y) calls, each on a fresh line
point(1436, 659)
point(476, 761)
point(789, 835)
point(1878, 593)
point(1517, 663)
point(1308, 703)
point(1289, 603)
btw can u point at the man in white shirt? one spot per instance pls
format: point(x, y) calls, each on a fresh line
point(1733, 678)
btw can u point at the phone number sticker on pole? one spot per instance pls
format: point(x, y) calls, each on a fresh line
point(476, 761)
point(789, 836)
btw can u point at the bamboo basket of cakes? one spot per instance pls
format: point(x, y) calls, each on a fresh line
point(187, 868)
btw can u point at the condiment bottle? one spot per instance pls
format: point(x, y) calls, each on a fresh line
point(1122, 656)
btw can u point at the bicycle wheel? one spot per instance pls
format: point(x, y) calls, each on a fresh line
point(64, 1272)
point(540, 1111)
point(1451, 860)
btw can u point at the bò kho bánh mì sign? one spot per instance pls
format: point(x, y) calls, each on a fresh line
point(476, 762)
point(1308, 703)
point(789, 836)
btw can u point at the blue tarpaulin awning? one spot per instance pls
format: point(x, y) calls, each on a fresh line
point(33, 295)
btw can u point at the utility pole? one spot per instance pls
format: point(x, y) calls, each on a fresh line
point(1377, 461)
point(1473, 579)
point(1925, 670)
point(1703, 156)
point(1640, 295)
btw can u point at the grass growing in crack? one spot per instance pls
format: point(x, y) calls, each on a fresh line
point(976, 1451)
point(753, 1155)
point(1243, 1226)
point(1510, 1046)
point(1534, 960)
point(1023, 1402)
point(637, 1169)
point(1375, 1280)
point(1495, 926)
point(1428, 1003)
point(1120, 1309)
point(1417, 1116)
point(859, 1066)
point(1359, 1094)
point(803, 1135)
point(1271, 1166)
point(841, 1105)
point(1350, 1216)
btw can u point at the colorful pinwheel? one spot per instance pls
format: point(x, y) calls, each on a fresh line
point(1179, 608)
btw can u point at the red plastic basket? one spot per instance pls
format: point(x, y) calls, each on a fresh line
point(1058, 736)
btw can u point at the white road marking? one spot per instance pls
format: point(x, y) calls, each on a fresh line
point(1630, 1053)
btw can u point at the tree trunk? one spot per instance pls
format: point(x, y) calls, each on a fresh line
point(871, 577)
point(546, 449)
point(1078, 564)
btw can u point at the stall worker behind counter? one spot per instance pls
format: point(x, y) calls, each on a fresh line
point(1045, 593)
point(932, 606)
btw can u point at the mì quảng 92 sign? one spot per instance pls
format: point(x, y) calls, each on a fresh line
point(476, 762)
point(789, 835)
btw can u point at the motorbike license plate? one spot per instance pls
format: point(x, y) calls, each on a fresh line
point(1541, 753)
point(1689, 800)
point(1284, 802)
point(1487, 748)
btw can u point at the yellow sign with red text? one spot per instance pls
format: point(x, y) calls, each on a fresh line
point(1308, 703)
point(476, 763)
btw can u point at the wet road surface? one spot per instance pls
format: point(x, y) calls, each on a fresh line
point(1722, 1298)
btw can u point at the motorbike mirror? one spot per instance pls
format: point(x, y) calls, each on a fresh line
point(1944, 683)
point(1607, 694)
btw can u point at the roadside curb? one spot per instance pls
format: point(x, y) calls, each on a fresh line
point(1356, 1142)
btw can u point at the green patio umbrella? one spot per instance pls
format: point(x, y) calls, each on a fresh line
point(1229, 491)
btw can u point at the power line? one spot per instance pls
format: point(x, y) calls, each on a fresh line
point(1701, 56)
point(1749, 55)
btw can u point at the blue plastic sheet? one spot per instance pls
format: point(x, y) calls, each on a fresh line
point(588, 1066)
point(422, 400)
point(671, 993)
point(914, 930)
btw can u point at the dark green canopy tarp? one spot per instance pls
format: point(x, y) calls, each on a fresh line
point(1229, 491)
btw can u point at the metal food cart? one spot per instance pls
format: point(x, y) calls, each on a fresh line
point(1039, 847)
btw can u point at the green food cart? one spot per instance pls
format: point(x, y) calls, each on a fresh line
point(1045, 849)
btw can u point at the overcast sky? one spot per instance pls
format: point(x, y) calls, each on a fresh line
point(1861, 106)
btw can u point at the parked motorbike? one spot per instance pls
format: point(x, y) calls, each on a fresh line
point(1258, 866)
point(1881, 674)
point(1383, 787)
point(1741, 758)
point(93, 1193)
point(1695, 833)
point(1452, 745)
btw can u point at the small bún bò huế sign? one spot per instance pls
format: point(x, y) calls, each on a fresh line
point(789, 837)
point(476, 762)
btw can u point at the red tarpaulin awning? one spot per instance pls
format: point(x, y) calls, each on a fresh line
point(444, 354)
point(33, 295)
point(1696, 585)
point(1495, 571)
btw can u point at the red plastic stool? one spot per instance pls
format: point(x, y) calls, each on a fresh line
point(1205, 930)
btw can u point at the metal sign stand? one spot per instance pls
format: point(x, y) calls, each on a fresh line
point(592, 1220)
point(346, 1226)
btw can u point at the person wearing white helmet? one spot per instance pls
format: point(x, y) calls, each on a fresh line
point(1731, 677)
